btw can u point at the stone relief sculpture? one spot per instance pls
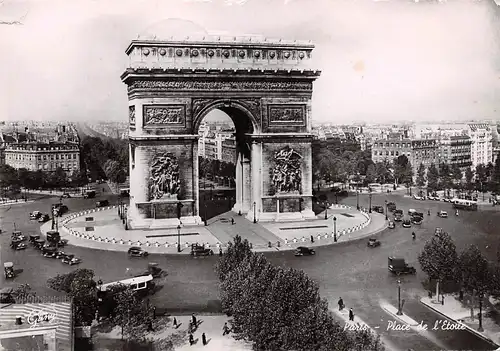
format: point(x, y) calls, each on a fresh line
point(286, 114)
point(131, 114)
point(164, 178)
point(163, 115)
point(286, 174)
point(221, 85)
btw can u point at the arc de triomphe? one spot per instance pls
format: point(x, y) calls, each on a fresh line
point(265, 86)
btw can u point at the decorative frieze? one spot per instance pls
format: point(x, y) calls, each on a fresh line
point(286, 114)
point(200, 104)
point(156, 115)
point(131, 115)
point(218, 85)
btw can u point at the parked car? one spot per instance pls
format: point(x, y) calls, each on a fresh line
point(392, 225)
point(391, 206)
point(89, 194)
point(137, 252)
point(44, 218)
point(70, 259)
point(443, 214)
point(66, 195)
point(418, 214)
point(102, 203)
point(17, 245)
point(18, 236)
point(399, 266)
point(416, 197)
point(304, 251)
point(372, 242)
point(198, 250)
point(416, 220)
point(378, 209)
point(59, 209)
point(35, 215)
point(50, 252)
point(406, 223)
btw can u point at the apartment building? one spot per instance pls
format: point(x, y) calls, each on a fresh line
point(46, 157)
point(229, 150)
point(424, 151)
point(388, 149)
point(482, 146)
point(456, 150)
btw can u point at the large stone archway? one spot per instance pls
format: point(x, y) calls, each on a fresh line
point(264, 86)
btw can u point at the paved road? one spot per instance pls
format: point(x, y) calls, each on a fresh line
point(350, 270)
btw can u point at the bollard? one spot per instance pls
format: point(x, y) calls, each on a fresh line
point(269, 244)
point(278, 243)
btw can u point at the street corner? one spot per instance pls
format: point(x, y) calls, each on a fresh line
point(393, 311)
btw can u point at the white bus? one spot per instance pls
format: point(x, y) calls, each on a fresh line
point(144, 283)
point(464, 204)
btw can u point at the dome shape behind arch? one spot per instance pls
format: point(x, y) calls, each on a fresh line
point(173, 28)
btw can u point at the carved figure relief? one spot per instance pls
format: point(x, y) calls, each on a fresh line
point(286, 114)
point(253, 105)
point(200, 104)
point(173, 114)
point(131, 115)
point(286, 175)
point(208, 85)
point(164, 179)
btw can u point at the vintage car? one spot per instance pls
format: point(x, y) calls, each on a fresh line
point(89, 194)
point(102, 203)
point(66, 195)
point(378, 209)
point(8, 269)
point(34, 237)
point(438, 231)
point(39, 244)
point(137, 252)
point(416, 197)
point(18, 235)
point(198, 250)
point(416, 220)
point(35, 214)
point(44, 218)
point(406, 223)
point(399, 266)
point(443, 214)
point(70, 259)
point(304, 251)
point(372, 242)
point(391, 206)
point(392, 225)
point(50, 252)
point(17, 245)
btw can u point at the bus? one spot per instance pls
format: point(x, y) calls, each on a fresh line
point(460, 204)
point(142, 284)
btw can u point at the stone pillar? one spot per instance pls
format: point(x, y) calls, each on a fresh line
point(306, 185)
point(239, 184)
point(247, 186)
point(139, 177)
point(255, 181)
point(196, 179)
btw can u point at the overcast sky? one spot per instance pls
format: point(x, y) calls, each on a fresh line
point(381, 61)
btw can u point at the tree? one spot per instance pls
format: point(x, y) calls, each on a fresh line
point(79, 285)
point(58, 179)
point(481, 177)
point(371, 174)
point(132, 314)
point(432, 177)
point(439, 258)
point(236, 252)
point(421, 176)
point(495, 176)
point(469, 175)
point(400, 165)
point(445, 176)
point(78, 178)
point(8, 176)
point(457, 173)
point(23, 175)
point(23, 293)
point(382, 170)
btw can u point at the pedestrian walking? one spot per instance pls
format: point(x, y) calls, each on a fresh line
point(312, 239)
point(220, 251)
point(191, 339)
point(204, 339)
point(225, 329)
point(341, 304)
point(154, 312)
point(351, 315)
point(175, 322)
point(195, 322)
point(232, 221)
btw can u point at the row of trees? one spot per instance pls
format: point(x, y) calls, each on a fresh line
point(15, 178)
point(105, 158)
point(280, 308)
point(470, 269)
point(209, 168)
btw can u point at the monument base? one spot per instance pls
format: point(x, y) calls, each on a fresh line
point(283, 216)
point(166, 223)
point(237, 208)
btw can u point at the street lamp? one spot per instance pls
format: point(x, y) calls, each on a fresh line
point(480, 328)
point(178, 238)
point(335, 229)
point(326, 209)
point(205, 206)
point(386, 218)
point(370, 208)
point(400, 313)
point(254, 214)
point(357, 199)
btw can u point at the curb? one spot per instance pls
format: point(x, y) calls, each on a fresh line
point(16, 203)
point(414, 324)
point(465, 325)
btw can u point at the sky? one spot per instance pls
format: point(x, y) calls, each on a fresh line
point(381, 61)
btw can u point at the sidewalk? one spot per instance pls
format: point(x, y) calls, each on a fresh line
point(14, 202)
point(178, 338)
point(102, 229)
point(455, 310)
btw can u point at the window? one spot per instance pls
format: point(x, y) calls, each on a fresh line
point(141, 285)
point(133, 286)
